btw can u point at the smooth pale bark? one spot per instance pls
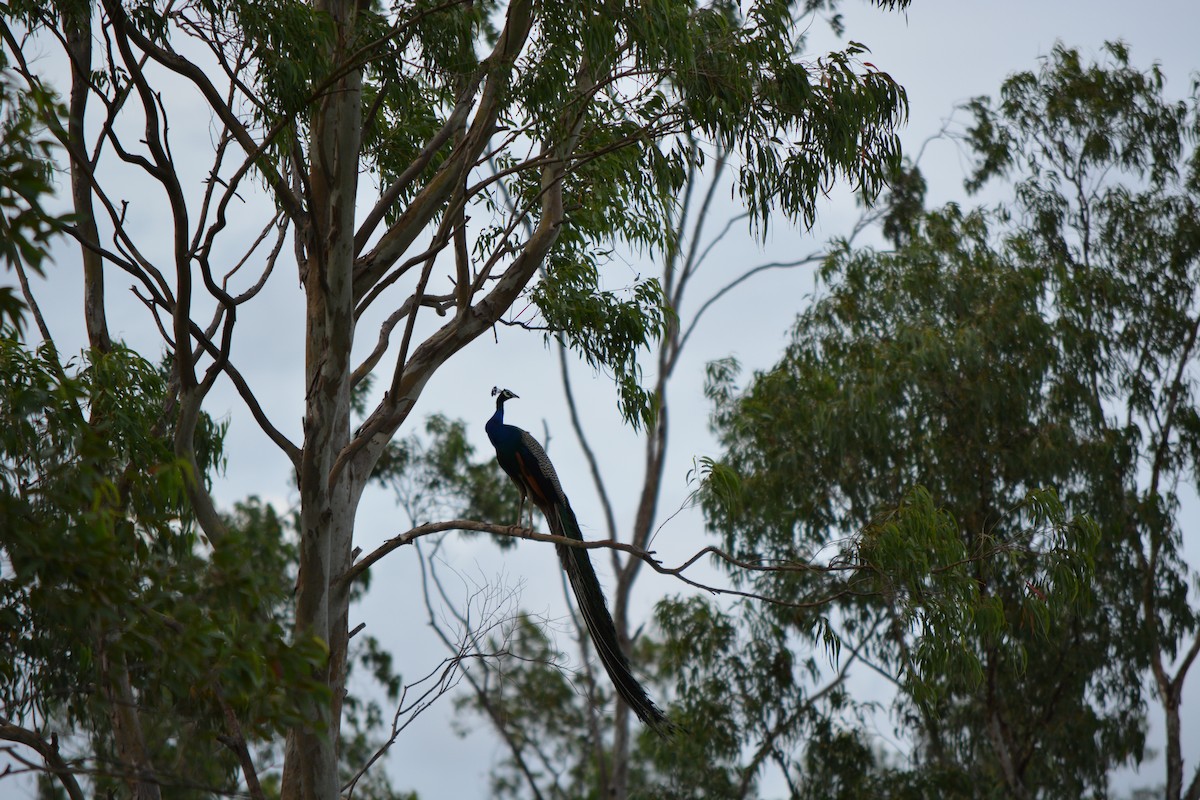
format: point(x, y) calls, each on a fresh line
point(327, 506)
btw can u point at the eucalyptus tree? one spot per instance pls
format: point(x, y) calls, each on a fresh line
point(1106, 168)
point(383, 139)
point(1047, 345)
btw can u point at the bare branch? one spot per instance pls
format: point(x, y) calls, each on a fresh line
point(428, 574)
point(513, 531)
point(193, 72)
point(812, 258)
point(247, 394)
point(580, 436)
point(436, 247)
point(497, 67)
point(31, 301)
point(164, 172)
point(418, 295)
point(281, 224)
point(144, 271)
point(1185, 665)
point(48, 750)
point(385, 338)
point(696, 256)
point(444, 677)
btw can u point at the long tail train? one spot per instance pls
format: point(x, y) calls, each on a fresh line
point(526, 463)
point(590, 597)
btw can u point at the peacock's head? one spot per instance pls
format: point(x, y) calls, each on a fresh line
point(501, 395)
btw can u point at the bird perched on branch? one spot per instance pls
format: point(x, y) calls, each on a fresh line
point(526, 463)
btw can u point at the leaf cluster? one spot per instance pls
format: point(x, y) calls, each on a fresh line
point(1032, 368)
point(26, 180)
point(108, 583)
point(604, 328)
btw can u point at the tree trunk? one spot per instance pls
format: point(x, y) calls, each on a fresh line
point(127, 729)
point(327, 509)
point(1170, 701)
point(77, 25)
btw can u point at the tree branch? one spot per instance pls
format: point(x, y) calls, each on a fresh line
point(193, 73)
point(576, 425)
point(1181, 673)
point(236, 741)
point(31, 301)
point(290, 449)
point(497, 66)
point(362, 565)
point(481, 690)
point(48, 750)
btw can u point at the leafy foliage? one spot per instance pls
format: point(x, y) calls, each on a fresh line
point(26, 169)
point(107, 582)
point(1024, 366)
point(613, 331)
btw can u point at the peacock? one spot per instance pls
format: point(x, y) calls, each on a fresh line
point(520, 455)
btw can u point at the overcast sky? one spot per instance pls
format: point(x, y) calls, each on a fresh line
point(943, 51)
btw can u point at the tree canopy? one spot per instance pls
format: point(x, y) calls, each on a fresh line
point(428, 170)
point(1046, 345)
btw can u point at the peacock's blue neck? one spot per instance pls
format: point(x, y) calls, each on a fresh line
point(496, 424)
